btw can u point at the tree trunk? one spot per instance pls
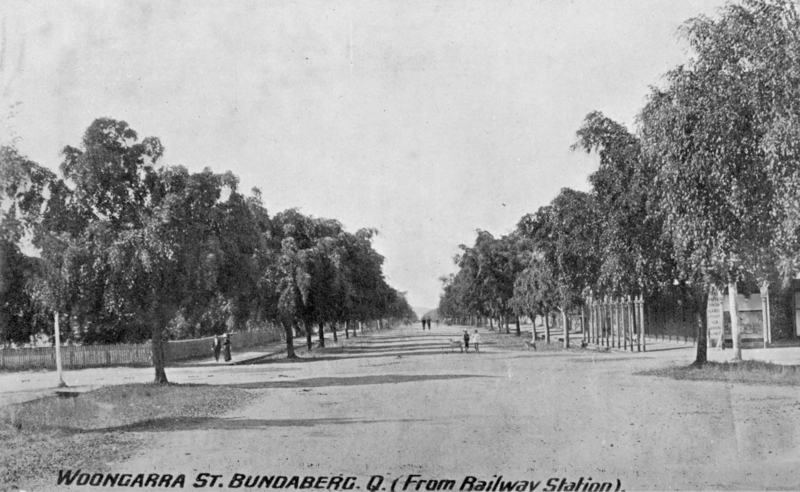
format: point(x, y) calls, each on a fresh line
point(519, 332)
point(505, 318)
point(583, 328)
point(547, 328)
point(491, 325)
point(734, 308)
point(702, 329)
point(309, 328)
point(289, 341)
point(566, 327)
point(159, 357)
point(347, 329)
point(333, 329)
point(322, 335)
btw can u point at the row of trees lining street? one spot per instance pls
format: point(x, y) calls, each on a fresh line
point(129, 250)
point(704, 194)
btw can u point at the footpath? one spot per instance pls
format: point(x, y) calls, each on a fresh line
point(783, 355)
point(680, 350)
point(19, 387)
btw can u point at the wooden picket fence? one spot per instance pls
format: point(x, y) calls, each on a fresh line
point(82, 356)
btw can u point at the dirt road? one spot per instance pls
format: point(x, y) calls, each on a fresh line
point(400, 403)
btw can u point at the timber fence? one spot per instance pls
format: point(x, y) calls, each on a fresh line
point(628, 322)
point(139, 354)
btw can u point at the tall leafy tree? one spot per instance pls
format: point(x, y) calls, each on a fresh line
point(535, 292)
point(721, 134)
point(129, 245)
point(635, 254)
point(21, 198)
point(566, 232)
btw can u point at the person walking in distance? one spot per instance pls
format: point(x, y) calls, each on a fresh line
point(226, 348)
point(466, 341)
point(476, 339)
point(216, 346)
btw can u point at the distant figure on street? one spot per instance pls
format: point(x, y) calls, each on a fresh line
point(226, 348)
point(466, 341)
point(476, 339)
point(423, 324)
point(216, 346)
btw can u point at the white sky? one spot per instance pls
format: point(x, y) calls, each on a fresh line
point(427, 120)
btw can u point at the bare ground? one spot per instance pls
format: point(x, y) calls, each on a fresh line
point(400, 402)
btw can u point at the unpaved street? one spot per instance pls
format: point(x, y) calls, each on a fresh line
point(400, 403)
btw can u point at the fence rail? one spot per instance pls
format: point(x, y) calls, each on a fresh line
point(140, 354)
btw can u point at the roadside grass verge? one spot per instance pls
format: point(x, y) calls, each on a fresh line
point(743, 372)
point(39, 437)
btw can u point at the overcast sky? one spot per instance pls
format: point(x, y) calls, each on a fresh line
point(426, 120)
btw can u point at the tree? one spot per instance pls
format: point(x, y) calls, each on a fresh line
point(535, 292)
point(21, 198)
point(722, 137)
point(127, 244)
point(635, 255)
point(566, 232)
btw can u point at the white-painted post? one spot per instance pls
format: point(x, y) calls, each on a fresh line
point(733, 306)
point(769, 322)
point(764, 287)
point(61, 383)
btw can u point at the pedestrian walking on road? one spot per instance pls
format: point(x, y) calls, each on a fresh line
point(476, 339)
point(216, 347)
point(226, 347)
point(466, 341)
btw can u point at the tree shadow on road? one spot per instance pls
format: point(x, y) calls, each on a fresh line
point(324, 382)
point(171, 424)
point(404, 337)
point(327, 355)
point(355, 349)
point(664, 349)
